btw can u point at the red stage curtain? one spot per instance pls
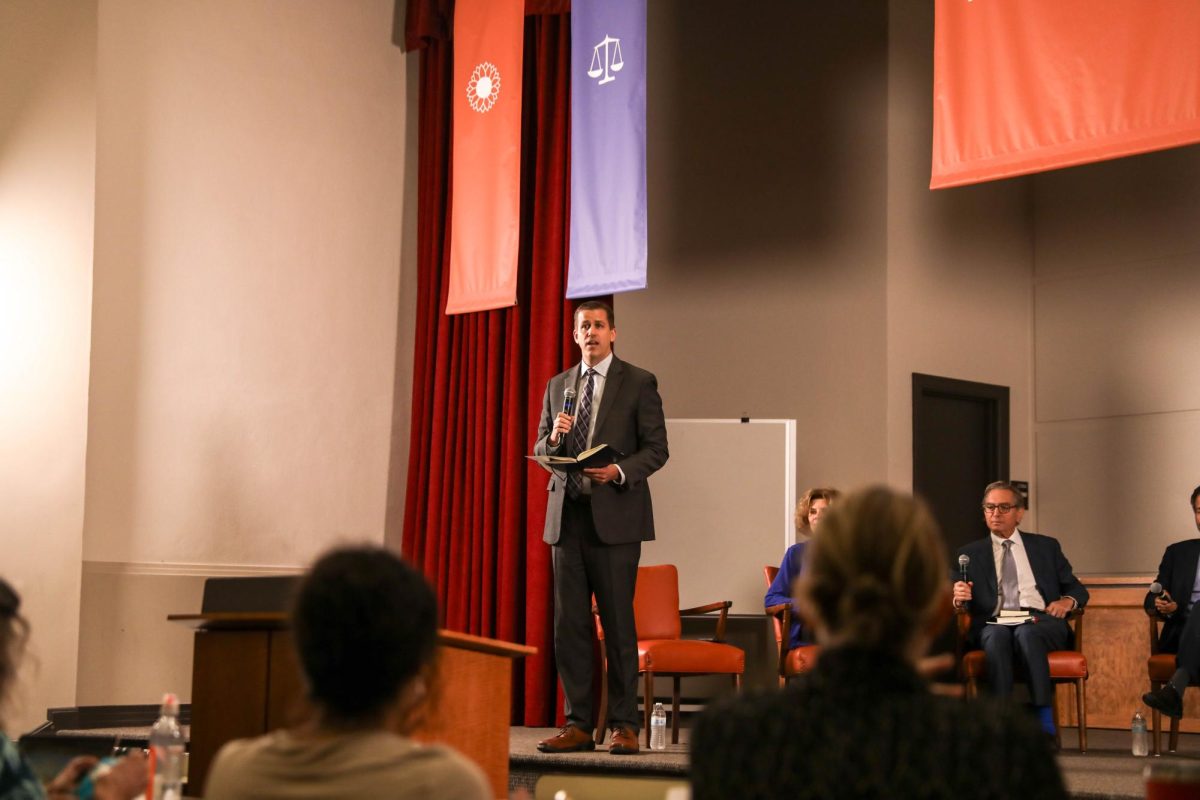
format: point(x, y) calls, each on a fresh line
point(475, 507)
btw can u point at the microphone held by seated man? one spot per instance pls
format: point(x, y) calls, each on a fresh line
point(1012, 570)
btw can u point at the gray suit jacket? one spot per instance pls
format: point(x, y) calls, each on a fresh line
point(630, 418)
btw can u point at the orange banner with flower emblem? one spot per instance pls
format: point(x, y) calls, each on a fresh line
point(1023, 86)
point(485, 191)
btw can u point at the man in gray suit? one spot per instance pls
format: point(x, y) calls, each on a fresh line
point(596, 522)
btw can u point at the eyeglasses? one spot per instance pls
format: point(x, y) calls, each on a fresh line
point(997, 508)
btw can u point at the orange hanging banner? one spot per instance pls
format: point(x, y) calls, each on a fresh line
point(486, 161)
point(1023, 86)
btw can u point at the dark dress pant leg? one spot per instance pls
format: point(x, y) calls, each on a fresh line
point(1034, 641)
point(612, 572)
point(1188, 655)
point(997, 644)
point(573, 615)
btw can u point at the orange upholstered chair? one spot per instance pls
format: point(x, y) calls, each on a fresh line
point(661, 651)
point(1160, 666)
point(792, 660)
point(1066, 666)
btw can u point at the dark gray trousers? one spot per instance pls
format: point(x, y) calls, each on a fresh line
point(1188, 655)
point(1027, 646)
point(583, 566)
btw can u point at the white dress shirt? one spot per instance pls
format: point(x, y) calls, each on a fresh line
point(1026, 585)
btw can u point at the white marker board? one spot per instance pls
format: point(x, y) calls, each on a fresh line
point(724, 507)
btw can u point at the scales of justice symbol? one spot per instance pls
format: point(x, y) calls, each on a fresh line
point(611, 49)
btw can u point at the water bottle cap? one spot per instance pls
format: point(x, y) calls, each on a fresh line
point(170, 704)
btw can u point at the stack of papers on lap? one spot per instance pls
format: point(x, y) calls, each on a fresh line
point(1011, 618)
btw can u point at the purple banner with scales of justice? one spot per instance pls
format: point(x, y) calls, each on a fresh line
point(608, 147)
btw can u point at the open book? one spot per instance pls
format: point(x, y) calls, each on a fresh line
point(599, 456)
point(1011, 618)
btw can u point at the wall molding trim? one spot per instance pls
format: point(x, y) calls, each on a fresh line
point(181, 569)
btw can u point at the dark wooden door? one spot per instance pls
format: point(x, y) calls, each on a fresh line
point(960, 445)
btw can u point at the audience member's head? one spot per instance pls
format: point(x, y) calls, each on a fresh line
point(14, 632)
point(365, 626)
point(876, 575)
point(812, 506)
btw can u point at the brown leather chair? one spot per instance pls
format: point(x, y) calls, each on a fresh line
point(1160, 666)
point(793, 661)
point(1066, 666)
point(661, 651)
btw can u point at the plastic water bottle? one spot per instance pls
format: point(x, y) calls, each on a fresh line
point(165, 778)
point(658, 728)
point(1141, 740)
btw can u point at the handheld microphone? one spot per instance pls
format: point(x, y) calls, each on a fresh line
point(569, 400)
point(1156, 589)
point(963, 562)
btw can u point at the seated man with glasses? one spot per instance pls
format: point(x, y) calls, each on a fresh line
point(1177, 575)
point(1012, 570)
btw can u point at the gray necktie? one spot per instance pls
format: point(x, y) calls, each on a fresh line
point(1010, 594)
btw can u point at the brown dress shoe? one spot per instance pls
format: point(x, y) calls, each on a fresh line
point(624, 742)
point(569, 740)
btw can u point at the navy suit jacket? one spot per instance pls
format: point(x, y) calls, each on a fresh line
point(1177, 574)
point(1051, 571)
point(630, 418)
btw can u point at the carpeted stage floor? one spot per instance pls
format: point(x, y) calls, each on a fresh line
point(1106, 772)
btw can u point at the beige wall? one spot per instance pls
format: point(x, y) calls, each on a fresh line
point(960, 264)
point(1117, 327)
point(249, 201)
point(800, 266)
point(767, 186)
point(47, 163)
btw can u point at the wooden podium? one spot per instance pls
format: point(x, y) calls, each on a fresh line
point(245, 682)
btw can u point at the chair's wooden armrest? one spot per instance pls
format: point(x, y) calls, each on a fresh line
point(1155, 620)
point(962, 625)
point(947, 689)
point(779, 608)
point(708, 608)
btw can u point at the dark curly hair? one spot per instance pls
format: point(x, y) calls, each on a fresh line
point(365, 624)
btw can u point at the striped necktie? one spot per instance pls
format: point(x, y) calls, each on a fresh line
point(579, 432)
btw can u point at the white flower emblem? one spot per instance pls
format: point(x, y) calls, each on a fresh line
point(483, 87)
